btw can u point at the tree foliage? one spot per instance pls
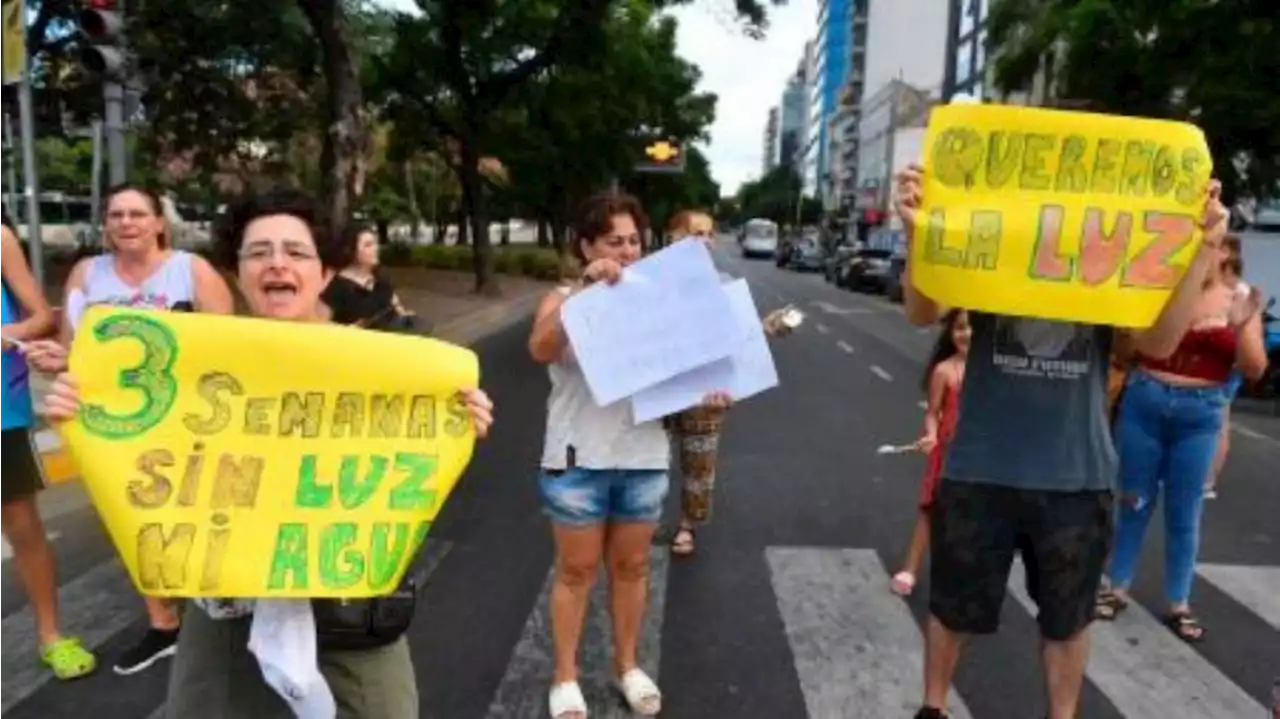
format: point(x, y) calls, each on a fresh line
point(777, 196)
point(1210, 62)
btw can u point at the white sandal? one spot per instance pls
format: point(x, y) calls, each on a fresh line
point(566, 701)
point(641, 693)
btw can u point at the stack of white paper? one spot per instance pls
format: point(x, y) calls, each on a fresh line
point(668, 334)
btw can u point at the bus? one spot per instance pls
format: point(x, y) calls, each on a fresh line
point(759, 238)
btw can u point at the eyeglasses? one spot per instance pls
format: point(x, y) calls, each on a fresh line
point(265, 251)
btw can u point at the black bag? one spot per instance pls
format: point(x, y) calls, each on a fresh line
point(354, 624)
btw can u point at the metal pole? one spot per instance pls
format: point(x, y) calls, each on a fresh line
point(11, 169)
point(113, 97)
point(27, 126)
point(95, 188)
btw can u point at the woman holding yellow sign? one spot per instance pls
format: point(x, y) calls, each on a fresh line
point(283, 255)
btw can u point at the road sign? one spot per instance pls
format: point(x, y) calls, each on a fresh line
point(663, 156)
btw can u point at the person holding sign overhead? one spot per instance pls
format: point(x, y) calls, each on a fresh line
point(139, 269)
point(26, 317)
point(1032, 457)
point(283, 255)
point(603, 477)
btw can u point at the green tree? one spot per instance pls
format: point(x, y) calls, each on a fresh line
point(1210, 62)
point(777, 196)
point(584, 124)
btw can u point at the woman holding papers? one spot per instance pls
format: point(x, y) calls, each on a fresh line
point(697, 430)
point(284, 257)
point(603, 477)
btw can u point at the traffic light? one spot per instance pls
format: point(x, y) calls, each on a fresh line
point(661, 155)
point(102, 23)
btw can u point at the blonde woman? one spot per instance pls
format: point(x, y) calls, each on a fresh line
point(697, 430)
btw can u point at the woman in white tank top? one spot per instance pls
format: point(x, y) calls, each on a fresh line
point(139, 269)
point(603, 478)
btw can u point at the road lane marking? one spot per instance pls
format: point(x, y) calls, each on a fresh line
point(522, 694)
point(1256, 588)
point(822, 329)
point(878, 371)
point(857, 648)
point(845, 347)
point(1147, 672)
point(52, 536)
point(1245, 430)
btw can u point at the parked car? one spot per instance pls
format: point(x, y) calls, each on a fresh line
point(868, 269)
point(806, 256)
point(833, 264)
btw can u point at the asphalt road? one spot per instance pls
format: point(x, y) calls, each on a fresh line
point(784, 612)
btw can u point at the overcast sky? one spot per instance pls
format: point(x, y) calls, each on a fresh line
point(747, 75)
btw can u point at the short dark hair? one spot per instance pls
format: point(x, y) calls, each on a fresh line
point(255, 205)
point(595, 218)
point(351, 240)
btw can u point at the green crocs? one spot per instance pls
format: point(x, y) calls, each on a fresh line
point(68, 658)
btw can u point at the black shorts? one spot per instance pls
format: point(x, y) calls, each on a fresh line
point(22, 476)
point(976, 529)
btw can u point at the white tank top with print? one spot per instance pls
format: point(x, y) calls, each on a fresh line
point(171, 287)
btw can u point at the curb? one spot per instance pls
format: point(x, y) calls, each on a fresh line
point(58, 468)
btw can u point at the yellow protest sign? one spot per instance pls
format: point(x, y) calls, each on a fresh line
point(1058, 215)
point(237, 457)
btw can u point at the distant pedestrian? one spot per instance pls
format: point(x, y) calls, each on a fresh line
point(1232, 276)
point(697, 430)
point(944, 375)
point(360, 293)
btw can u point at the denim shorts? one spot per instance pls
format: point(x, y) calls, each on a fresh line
point(583, 497)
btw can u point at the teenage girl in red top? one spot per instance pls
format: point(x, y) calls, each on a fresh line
point(943, 377)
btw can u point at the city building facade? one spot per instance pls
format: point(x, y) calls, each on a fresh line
point(770, 142)
point(792, 121)
point(835, 24)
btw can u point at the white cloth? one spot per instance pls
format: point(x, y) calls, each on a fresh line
point(283, 638)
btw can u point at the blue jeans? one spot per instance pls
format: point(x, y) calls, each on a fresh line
point(1168, 435)
point(580, 497)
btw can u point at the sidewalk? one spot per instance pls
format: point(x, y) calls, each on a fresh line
point(443, 301)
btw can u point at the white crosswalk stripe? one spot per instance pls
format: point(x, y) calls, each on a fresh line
point(522, 694)
point(839, 614)
point(1148, 673)
point(857, 649)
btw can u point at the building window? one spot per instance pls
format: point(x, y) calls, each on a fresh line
point(964, 62)
point(970, 13)
point(980, 54)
